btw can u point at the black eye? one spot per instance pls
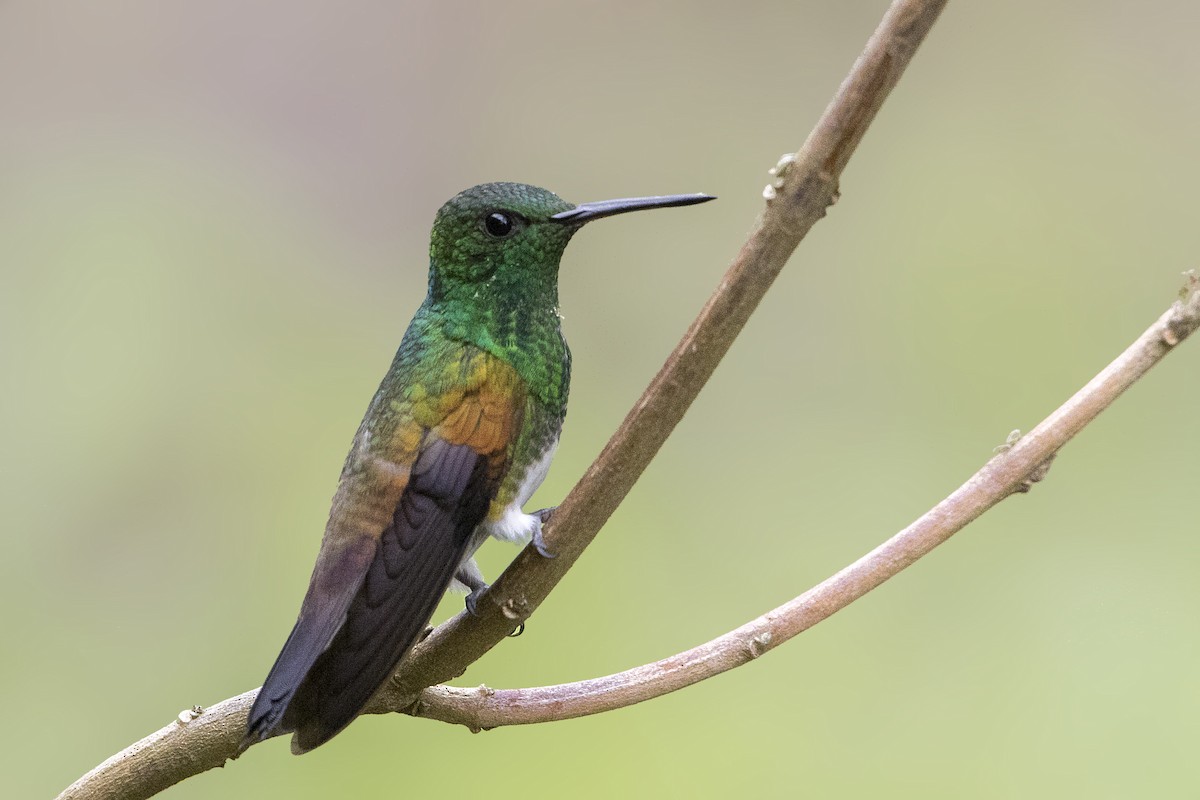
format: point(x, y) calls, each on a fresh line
point(498, 224)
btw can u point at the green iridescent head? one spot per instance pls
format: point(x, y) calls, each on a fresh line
point(507, 239)
point(497, 230)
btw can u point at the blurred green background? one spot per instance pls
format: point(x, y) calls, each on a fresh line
point(213, 230)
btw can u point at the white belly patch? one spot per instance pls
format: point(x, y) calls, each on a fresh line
point(515, 525)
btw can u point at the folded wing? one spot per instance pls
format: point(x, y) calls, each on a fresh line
point(378, 582)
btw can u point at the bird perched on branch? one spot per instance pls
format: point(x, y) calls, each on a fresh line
point(459, 435)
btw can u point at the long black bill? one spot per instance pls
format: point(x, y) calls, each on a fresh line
point(586, 212)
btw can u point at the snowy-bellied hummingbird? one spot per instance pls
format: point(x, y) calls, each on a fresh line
point(458, 437)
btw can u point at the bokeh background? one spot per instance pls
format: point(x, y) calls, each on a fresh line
point(213, 230)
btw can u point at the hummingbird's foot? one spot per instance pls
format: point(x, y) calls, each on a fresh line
point(539, 544)
point(469, 576)
point(473, 600)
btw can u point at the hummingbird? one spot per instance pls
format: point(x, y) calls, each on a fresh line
point(455, 441)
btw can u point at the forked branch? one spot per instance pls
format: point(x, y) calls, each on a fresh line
point(804, 186)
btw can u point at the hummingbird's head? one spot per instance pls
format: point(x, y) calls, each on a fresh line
point(510, 237)
point(497, 230)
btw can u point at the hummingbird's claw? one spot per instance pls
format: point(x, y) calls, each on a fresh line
point(473, 599)
point(539, 543)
